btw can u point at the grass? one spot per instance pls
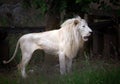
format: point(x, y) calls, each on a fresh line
point(88, 74)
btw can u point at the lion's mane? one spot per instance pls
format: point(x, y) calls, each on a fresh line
point(71, 37)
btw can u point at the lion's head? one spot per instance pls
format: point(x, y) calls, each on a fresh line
point(83, 28)
point(79, 25)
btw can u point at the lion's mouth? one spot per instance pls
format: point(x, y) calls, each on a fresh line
point(85, 38)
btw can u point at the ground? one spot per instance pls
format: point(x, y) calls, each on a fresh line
point(84, 72)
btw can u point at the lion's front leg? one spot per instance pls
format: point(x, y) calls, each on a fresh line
point(68, 64)
point(62, 63)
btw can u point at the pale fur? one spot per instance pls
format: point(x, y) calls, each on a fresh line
point(64, 42)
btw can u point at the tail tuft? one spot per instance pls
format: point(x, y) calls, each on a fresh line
point(5, 62)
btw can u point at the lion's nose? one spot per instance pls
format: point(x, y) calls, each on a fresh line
point(90, 31)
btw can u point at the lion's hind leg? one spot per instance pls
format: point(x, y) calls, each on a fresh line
point(25, 60)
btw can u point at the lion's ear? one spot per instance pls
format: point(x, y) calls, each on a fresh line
point(76, 22)
point(78, 17)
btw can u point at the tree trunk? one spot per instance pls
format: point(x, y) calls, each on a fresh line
point(119, 41)
point(52, 21)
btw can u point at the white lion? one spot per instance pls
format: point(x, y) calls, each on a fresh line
point(64, 42)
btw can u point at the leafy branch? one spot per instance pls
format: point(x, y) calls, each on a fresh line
point(60, 5)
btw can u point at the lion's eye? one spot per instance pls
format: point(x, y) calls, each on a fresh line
point(83, 26)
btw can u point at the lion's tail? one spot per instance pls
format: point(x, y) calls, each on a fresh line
point(16, 49)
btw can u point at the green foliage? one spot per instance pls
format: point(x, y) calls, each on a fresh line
point(63, 4)
point(26, 4)
point(3, 21)
point(60, 5)
point(85, 4)
point(38, 4)
point(118, 12)
point(84, 1)
point(103, 5)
